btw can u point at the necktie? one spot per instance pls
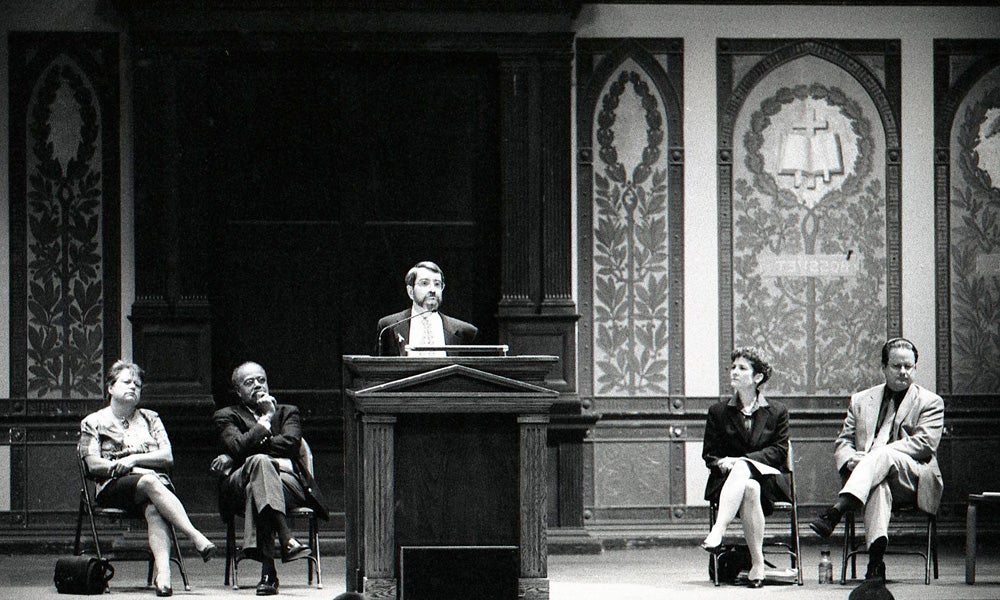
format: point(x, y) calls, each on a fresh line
point(428, 338)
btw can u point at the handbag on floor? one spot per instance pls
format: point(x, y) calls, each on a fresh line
point(733, 559)
point(82, 575)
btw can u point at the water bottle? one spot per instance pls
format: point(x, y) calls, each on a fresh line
point(825, 567)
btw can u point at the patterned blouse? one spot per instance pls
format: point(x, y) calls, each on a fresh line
point(105, 435)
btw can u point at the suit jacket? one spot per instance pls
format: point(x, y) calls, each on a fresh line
point(766, 442)
point(916, 429)
point(393, 341)
point(242, 436)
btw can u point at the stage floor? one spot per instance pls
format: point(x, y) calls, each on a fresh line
point(631, 574)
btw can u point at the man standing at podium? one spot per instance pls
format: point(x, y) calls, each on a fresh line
point(422, 324)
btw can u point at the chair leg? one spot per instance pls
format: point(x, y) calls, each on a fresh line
point(931, 547)
point(231, 552)
point(179, 559)
point(77, 549)
point(934, 544)
point(850, 549)
point(93, 532)
point(797, 558)
point(854, 547)
point(715, 556)
point(314, 542)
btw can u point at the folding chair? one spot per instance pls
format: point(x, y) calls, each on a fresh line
point(852, 547)
point(93, 511)
point(792, 548)
point(233, 557)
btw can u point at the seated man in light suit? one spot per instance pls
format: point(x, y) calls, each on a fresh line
point(422, 324)
point(887, 450)
point(263, 470)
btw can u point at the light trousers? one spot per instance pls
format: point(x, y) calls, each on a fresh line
point(882, 475)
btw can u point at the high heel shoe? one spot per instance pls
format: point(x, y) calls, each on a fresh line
point(164, 591)
point(207, 552)
point(709, 547)
point(756, 583)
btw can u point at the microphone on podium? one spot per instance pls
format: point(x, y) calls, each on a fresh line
point(378, 342)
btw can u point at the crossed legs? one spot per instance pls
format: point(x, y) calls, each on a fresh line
point(883, 474)
point(162, 510)
point(265, 492)
point(741, 493)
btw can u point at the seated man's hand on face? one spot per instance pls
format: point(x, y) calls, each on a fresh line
point(266, 405)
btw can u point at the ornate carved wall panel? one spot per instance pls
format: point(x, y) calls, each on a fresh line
point(64, 216)
point(630, 204)
point(967, 199)
point(809, 201)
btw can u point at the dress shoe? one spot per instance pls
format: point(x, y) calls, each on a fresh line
point(293, 549)
point(164, 591)
point(756, 583)
point(711, 549)
point(824, 525)
point(268, 585)
point(875, 571)
point(207, 552)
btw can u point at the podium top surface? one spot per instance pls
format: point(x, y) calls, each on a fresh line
point(368, 370)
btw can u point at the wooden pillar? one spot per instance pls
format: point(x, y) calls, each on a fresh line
point(536, 312)
point(533, 583)
point(378, 511)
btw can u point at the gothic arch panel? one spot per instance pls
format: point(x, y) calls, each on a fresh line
point(967, 199)
point(630, 207)
point(809, 222)
point(64, 219)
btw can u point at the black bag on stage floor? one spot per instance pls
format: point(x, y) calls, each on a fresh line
point(733, 558)
point(82, 575)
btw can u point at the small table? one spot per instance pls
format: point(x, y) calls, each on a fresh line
point(970, 531)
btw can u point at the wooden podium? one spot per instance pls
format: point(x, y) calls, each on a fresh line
point(445, 476)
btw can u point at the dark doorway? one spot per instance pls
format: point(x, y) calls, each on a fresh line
point(306, 184)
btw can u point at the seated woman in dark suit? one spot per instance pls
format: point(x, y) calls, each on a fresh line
point(746, 444)
point(126, 450)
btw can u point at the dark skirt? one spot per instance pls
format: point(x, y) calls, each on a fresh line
point(120, 493)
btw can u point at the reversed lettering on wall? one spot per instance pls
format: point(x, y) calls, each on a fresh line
point(808, 265)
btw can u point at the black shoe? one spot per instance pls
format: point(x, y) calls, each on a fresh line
point(756, 583)
point(207, 552)
point(824, 525)
point(268, 585)
point(875, 571)
point(294, 549)
point(164, 591)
